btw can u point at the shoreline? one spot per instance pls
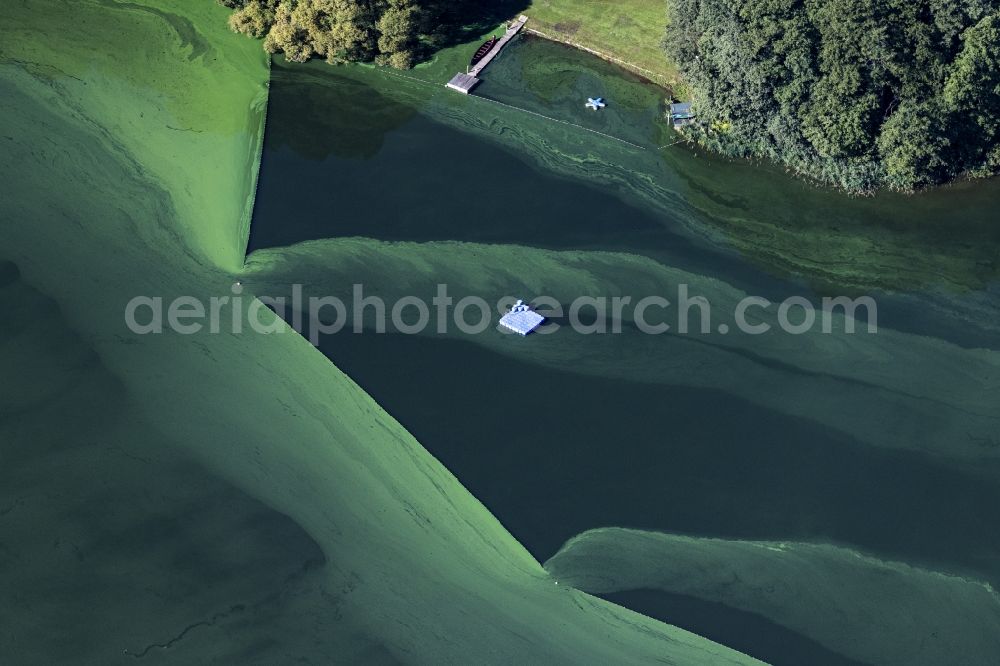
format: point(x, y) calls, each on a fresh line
point(650, 75)
point(791, 170)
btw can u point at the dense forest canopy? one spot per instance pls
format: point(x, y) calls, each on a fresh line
point(389, 32)
point(338, 30)
point(861, 93)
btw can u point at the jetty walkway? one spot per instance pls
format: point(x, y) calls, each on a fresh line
point(464, 83)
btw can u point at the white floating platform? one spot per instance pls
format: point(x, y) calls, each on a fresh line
point(521, 319)
point(463, 83)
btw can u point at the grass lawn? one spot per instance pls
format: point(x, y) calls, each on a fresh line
point(630, 30)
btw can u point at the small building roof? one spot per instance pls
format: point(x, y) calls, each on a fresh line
point(682, 108)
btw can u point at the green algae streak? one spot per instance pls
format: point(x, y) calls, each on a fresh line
point(214, 497)
point(840, 444)
point(856, 605)
point(868, 386)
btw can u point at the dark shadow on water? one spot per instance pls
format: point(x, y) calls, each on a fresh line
point(555, 453)
point(349, 177)
point(9, 273)
point(749, 633)
point(340, 159)
point(346, 119)
point(459, 21)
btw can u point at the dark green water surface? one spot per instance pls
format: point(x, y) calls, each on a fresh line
point(888, 445)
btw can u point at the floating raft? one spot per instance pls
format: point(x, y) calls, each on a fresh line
point(521, 319)
point(463, 83)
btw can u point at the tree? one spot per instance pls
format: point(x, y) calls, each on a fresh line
point(253, 19)
point(861, 93)
point(974, 80)
point(914, 146)
point(397, 29)
point(387, 31)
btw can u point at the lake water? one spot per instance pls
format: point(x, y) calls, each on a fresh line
point(887, 444)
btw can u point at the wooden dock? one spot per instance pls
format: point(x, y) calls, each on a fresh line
point(512, 31)
point(464, 83)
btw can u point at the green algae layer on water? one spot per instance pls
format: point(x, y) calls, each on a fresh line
point(546, 171)
point(214, 498)
point(875, 457)
point(827, 593)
